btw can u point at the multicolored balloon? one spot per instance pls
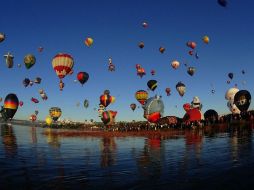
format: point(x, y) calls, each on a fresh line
point(82, 77)
point(191, 71)
point(89, 41)
point(55, 113)
point(141, 96)
point(29, 60)
point(62, 64)
point(175, 64)
point(242, 100)
point(108, 117)
point(162, 49)
point(153, 109)
point(11, 104)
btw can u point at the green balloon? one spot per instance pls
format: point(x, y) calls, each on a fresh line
point(29, 60)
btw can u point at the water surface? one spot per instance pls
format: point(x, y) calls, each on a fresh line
point(221, 158)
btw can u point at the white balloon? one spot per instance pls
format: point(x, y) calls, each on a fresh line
point(230, 94)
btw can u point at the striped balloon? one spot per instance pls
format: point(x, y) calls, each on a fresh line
point(62, 64)
point(141, 96)
point(89, 41)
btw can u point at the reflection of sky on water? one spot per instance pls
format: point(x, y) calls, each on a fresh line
point(141, 162)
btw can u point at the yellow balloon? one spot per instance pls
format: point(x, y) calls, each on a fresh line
point(48, 120)
point(89, 41)
point(206, 39)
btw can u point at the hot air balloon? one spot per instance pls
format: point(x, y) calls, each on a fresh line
point(26, 82)
point(141, 72)
point(141, 96)
point(37, 80)
point(29, 60)
point(36, 112)
point(243, 72)
point(133, 106)
point(153, 109)
point(191, 71)
point(105, 99)
point(162, 49)
point(40, 49)
point(242, 100)
point(111, 66)
point(33, 117)
point(141, 45)
point(192, 115)
point(230, 75)
point(21, 103)
point(9, 60)
point(152, 72)
point(192, 45)
point(55, 113)
point(230, 94)
point(101, 110)
point(211, 115)
point(196, 103)
point(196, 55)
point(34, 100)
point(11, 104)
point(175, 64)
point(186, 107)
point(180, 87)
point(152, 84)
point(62, 64)
point(86, 103)
point(82, 77)
point(191, 52)
point(108, 117)
point(2, 37)
point(222, 3)
point(168, 91)
point(48, 120)
point(88, 41)
point(206, 39)
point(138, 66)
point(145, 24)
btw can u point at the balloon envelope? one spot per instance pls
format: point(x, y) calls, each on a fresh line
point(29, 60)
point(152, 84)
point(89, 41)
point(55, 113)
point(141, 96)
point(180, 87)
point(82, 77)
point(11, 104)
point(242, 100)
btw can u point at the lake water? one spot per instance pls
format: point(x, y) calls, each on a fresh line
point(221, 158)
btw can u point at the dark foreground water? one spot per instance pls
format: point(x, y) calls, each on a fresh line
point(222, 158)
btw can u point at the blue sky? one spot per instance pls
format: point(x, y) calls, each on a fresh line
point(116, 27)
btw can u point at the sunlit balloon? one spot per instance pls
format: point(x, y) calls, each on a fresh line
point(186, 106)
point(108, 117)
point(88, 41)
point(206, 39)
point(33, 117)
point(62, 64)
point(181, 88)
point(153, 109)
point(9, 60)
point(242, 100)
point(2, 37)
point(11, 104)
point(230, 94)
point(145, 24)
point(162, 49)
point(29, 60)
point(175, 64)
point(48, 120)
point(55, 113)
point(192, 45)
point(141, 96)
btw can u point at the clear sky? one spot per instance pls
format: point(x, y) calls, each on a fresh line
point(116, 27)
